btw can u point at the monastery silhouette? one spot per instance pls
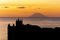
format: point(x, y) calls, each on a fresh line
point(15, 31)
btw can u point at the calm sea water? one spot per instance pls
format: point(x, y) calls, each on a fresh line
point(42, 23)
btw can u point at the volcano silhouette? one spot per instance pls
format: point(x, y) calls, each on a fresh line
point(37, 15)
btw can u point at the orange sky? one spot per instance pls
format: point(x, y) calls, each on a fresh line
point(49, 8)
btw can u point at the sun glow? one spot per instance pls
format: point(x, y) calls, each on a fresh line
point(23, 1)
point(2, 0)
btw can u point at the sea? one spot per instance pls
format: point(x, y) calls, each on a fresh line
point(42, 22)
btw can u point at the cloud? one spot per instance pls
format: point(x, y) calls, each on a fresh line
point(21, 7)
point(6, 7)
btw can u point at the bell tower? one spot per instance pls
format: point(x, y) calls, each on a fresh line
point(19, 22)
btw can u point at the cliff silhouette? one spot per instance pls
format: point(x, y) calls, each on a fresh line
point(14, 32)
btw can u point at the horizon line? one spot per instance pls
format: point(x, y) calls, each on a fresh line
point(29, 17)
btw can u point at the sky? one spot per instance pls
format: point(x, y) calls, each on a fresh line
point(25, 8)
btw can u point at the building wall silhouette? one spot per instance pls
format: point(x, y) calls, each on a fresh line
point(15, 31)
point(32, 28)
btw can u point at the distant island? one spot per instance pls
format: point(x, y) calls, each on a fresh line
point(37, 15)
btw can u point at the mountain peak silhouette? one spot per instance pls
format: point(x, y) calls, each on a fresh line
point(37, 15)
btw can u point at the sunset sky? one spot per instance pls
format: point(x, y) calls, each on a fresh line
point(49, 8)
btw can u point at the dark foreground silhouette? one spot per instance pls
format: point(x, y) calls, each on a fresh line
point(14, 31)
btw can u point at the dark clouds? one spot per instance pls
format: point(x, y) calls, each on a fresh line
point(6, 7)
point(21, 7)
